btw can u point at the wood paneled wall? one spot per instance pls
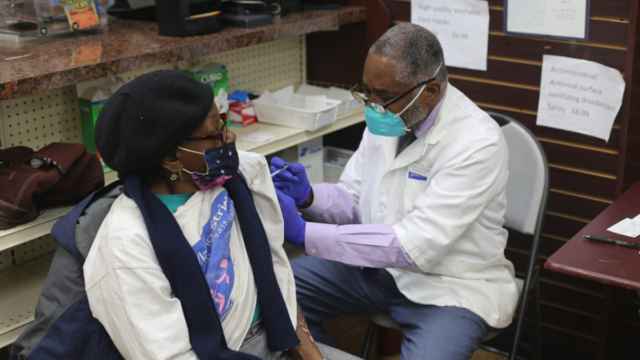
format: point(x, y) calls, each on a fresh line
point(586, 173)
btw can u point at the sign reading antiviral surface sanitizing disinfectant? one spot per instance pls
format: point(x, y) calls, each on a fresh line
point(579, 95)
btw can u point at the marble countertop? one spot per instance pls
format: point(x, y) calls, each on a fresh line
point(128, 45)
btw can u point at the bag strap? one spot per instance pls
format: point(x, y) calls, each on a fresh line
point(59, 155)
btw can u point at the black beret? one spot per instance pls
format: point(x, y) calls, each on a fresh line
point(148, 118)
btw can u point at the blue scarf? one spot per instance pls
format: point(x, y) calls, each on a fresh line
point(181, 267)
point(214, 253)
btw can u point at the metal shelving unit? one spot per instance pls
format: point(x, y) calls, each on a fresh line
point(285, 137)
point(39, 118)
point(20, 286)
point(40, 226)
point(18, 305)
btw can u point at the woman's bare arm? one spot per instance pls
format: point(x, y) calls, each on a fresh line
point(307, 350)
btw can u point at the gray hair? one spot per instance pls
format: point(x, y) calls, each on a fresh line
point(415, 50)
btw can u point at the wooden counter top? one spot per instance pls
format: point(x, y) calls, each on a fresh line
point(128, 45)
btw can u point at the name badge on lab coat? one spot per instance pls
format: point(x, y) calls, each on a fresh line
point(418, 172)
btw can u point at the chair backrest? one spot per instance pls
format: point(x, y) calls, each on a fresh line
point(528, 183)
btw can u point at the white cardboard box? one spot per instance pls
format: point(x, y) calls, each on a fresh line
point(310, 154)
point(335, 160)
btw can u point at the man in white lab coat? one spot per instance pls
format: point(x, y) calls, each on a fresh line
point(414, 227)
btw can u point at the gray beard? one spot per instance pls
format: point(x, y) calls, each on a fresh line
point(414, 117)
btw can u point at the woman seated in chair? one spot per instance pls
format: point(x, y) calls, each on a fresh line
point(188, 263)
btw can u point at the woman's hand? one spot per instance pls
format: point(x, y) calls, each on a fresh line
point(307, 350)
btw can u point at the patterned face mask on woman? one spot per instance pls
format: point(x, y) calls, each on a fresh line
point(222, 163)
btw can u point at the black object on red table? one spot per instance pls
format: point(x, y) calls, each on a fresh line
point(614, 265)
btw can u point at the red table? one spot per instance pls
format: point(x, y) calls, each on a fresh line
point(610, 264)
point(606, 263)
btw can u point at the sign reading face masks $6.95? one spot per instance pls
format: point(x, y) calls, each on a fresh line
point(462, 27)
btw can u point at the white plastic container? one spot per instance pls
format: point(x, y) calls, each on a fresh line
point(287, 109)
point(347, 102)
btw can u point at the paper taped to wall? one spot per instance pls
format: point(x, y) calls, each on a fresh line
point(549, 18)
point(462, 26)
point(579, 95)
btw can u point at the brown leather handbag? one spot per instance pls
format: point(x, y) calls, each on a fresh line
point(58, 174)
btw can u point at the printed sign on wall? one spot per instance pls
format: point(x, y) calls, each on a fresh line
point(579, 95)
point(462, 26)
point(564, 19)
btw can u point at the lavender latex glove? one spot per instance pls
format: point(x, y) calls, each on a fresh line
point(294, 226)
point(293, 181)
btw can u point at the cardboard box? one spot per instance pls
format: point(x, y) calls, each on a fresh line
point(310, 154)
point(335, 160)
point(241, 114)
point(213, 74)
point(337, 156)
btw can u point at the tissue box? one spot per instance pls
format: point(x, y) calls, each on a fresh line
point(288, 109)
point(241, 114)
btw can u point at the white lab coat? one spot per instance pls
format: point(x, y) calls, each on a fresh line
point(132, 298)
point(450, 223)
